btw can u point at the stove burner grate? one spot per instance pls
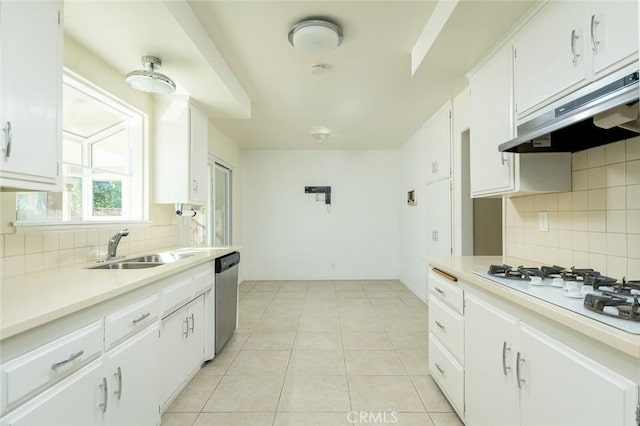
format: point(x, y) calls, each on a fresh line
point(626, 309)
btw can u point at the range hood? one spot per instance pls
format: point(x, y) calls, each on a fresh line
point(607, 114)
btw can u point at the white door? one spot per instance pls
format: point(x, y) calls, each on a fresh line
point(492, 123)
point(79, 399)
point(173, 336)
point(613, 34)
point(198, 155)
point(194, 345)
point(563, 387)
point(132, 369)
point(438, 201)
point(491, 394)
point(551, 54)
point(30, 92)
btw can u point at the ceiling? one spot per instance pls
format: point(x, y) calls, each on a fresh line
point(235, 59)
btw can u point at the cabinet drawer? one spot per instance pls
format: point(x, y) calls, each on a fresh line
point(203, 278)
point(448, 327)
point(177, 294)
point(36, 369)
point(447, 372)
point(130, 320)
point(446, 290)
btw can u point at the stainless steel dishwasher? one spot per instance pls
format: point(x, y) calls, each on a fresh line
point(226, 297)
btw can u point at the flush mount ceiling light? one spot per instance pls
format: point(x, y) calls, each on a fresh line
point(315, 36)
point(150, 80)
point(320, 134)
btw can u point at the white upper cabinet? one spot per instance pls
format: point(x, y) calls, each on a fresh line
point(438, 221)
point(568, 44)
point(30, 94)
point(437, 135)
point(180, 151)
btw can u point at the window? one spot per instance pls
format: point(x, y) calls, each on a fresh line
point(221, 204)
point(102, 162)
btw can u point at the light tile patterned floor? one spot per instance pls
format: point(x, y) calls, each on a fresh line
point(308, 353)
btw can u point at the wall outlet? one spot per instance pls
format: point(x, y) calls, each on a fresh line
point(543, 221)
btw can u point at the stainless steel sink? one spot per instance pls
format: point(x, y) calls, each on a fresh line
point(161, 258)
point(127, 265)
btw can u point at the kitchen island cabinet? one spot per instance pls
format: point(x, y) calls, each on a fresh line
point(31, 46)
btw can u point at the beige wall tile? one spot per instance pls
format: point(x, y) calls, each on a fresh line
point(93, 237)
point(596, 178)
point(597, 221)
point(581, 241)
point(33, 242)
point(633, 221)
point(598, 242)
point(633, 246)
point(597, 261)
point(615, 175)
point(579, 180)
point(633, 268)
point(80, 238)
point(633, 197)
point(581, 259)
point(615, 152)
point(616, 266)
point(596, 157)
point(579, 160)
point(66, 257)
point(616, 198)
point(1, 245)
point(580, 221)
point(11, 266)
point(66, 240)
point(565, 240)
point(580, 200)
point(596, 199)
point(565, 220)
point(617, 244)
point(33, 263)
point(633, 148)
point(564, 201)
point(50, 241)
point(50, 260)
point(616, 221)
point(633, 172)
point(552, 239)
point(14, 244)
point(565, 257)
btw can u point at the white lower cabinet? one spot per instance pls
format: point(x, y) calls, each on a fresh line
point(132, 374)
point(181, 348)
point(517, 375)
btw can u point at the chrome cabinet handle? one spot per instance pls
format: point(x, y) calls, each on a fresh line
point(439, 324)
point(505, 348)
point(9, 132)
point(142, 317)
point(519, 360)
point(105, 395)
point(436, 167)
point(72, 357)
point(436, 231)
point(118, 375)
point(194, 185)
point(574, 55)
point(185, 333)
point(503, 159)
point(193, 323)
point(594, 43)
point(442, 292)
point(440, 369)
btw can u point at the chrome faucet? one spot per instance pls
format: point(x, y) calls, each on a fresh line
point(113, 243)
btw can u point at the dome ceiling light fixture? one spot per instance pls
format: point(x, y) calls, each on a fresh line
point(319, 69)
point(315, 36)
point(320, 134)
point(149, 80)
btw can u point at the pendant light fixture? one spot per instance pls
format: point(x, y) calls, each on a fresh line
point(149, 80)
point(315, 36)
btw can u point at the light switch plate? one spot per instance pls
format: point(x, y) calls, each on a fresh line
point(543, 221)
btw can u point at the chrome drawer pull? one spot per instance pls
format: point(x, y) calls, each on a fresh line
point(105, 395)
point(439, 324)
point(442, 292)
point(193, 323)
point(440, 369)
point(9, 132)
point(594, 42)
point(118, 375)
point(185, 333)
point(574, 55)
point(68, 360)
point(519, 360)
point(505, 348)
point(141, 317)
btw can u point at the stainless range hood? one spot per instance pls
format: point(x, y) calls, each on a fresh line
point(607, 114)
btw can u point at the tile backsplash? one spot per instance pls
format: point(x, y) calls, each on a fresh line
point(33, 251)
point(595, 225)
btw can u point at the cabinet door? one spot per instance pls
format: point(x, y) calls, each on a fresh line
point(30, 93)
point(492, 123)
point(438, 199)
point(194, 351)
point(551, 55)
point(613, 35)
point(563, 387)
point(198, 155)
point(173, 335)
point(491, 394)
point(77, 400)
point(132, 369)
point(437, 134)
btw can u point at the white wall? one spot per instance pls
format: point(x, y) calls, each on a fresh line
point(413, 247)
point(290, 235)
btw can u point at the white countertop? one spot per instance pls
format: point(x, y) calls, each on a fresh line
point(30, 300)
point(464, 266)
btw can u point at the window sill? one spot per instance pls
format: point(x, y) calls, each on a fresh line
point(49, 226)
